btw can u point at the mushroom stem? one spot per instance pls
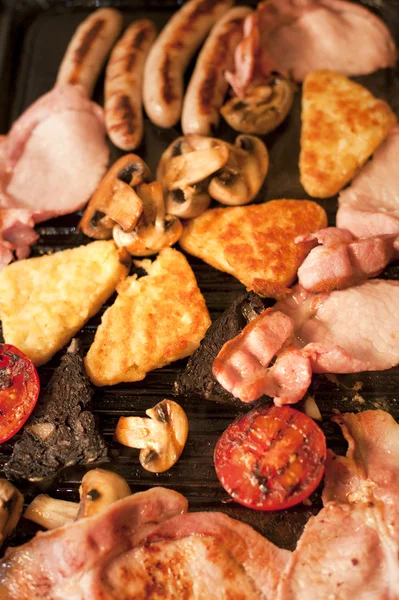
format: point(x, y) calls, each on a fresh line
point(11, 503)
point(51, 513)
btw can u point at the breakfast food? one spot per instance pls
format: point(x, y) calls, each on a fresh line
point(263, 108)
point(342, 125)
point(195, 168)
point(291, 37)
point(336, 260)
point(97, 541)
point(88, 49)
point(123, 85)
point(11, 505)
point(19, 390)
point(255, 243)
point(171, 54)
point(271, 458)
point(44, 301)
point(197, 380)
point(349, 550)
point(208, 86)
point(148, 541)
point(369, 206)
point(319, 333)
point(61, 137)
point(62, 431)
point(161, 438)
point(155, 320)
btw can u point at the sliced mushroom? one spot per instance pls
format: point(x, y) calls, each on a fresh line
point(99, 489)
point(154, 230)
point(184, 170)
point(115, 200)
point(262, 109)
point(161, 438)
point(11, 503)
point(241, 179)
point(50, 512)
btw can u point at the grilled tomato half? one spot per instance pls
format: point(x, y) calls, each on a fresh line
point(19, 390)
point(271, 458)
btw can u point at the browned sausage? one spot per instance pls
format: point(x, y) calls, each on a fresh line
point(89, 47)
point(170, 55)
point(208, 86)
point(123, 84)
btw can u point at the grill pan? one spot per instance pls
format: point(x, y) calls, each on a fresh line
point(33, 38)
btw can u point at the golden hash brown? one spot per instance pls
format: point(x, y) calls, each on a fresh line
point(155, 320)
point(255, 243)
point(342, 125)
point(44, 301)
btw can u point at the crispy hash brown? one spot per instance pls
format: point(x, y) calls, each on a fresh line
point(342, 125)
point(255, 243)
point(155, 320)
point(44, 301)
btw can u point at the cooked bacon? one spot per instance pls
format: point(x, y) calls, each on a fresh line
point(297, 37)
point(370, 205)
point(328, 337)
point(53, 563)
point(241, 365)
point(341, 261)
point(350, 549)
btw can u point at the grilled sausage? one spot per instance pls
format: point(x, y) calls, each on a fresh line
point(170, 55)
point(123, 83)
point(208, 86)
point(89, 47)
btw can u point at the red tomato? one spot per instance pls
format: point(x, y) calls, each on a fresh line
point(19, 390)
point(271, 458)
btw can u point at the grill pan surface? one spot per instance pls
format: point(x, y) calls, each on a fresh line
point(32, 43)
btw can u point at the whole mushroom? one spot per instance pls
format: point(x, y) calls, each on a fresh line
point(98, 490)
point(262, 109)
point(161, 438)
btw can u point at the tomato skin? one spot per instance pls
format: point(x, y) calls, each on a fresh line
point(19, 390)
point(271, 458)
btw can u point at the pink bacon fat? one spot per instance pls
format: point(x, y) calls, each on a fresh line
point(241, 366)
point(336, 260)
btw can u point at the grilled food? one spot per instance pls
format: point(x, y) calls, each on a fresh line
point(255, 243)
point(155, 320)
point(342, 125)
point(44, 301)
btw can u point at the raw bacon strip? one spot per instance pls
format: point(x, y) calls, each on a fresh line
point(340, 261)
point(298, 37)
point(370, 205)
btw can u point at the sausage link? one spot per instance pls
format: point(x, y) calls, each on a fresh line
point(170, 55)
point(208, 86)
point(89, 47)
point(123, 85)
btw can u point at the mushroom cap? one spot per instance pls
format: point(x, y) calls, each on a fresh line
point(262, 109)
point(99, 489)
point(241, 179)
point(161, 438)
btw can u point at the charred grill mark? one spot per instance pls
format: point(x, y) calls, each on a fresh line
point(83, 49)
point(126, 116)
point(207, 90)
point(167, 87)
point(131, 59)
point(141, 37)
